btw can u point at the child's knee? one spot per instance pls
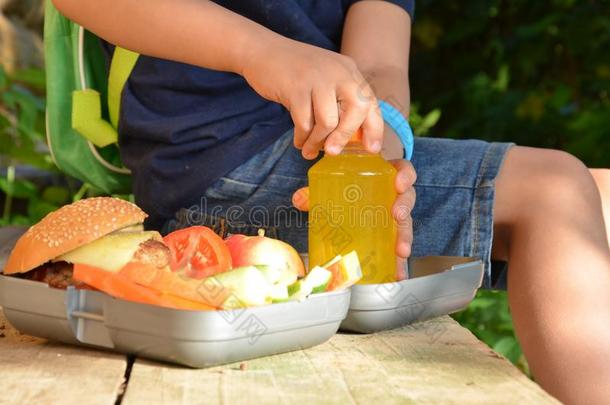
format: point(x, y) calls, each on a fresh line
point(602, 180)
point(562, 178)
point(542, 182)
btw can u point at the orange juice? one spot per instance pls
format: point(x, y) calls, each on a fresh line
point(350, 208)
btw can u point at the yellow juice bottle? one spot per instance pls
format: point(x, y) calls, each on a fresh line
point(350, 208)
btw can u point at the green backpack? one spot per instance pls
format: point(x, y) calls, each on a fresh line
point(83, 105)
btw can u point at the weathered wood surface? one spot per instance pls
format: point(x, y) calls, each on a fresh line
point(433, 362)
point(34, 371)
point(436, 361)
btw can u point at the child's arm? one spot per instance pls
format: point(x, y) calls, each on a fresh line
point(377, 36)
point(307, 80)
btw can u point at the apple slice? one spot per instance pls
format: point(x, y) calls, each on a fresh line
point(277, 275)
point(248, 286)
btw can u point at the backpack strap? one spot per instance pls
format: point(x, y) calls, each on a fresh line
point(123, 62)
point(86, 103)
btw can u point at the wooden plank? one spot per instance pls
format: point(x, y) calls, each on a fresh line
point(34, 371)
point(431, 362)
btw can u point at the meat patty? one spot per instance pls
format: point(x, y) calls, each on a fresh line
point(152, 252)
point(56, 275)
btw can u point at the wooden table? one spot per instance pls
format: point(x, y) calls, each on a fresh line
point(437, 361)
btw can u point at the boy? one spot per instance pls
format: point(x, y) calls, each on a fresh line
point(216, 126)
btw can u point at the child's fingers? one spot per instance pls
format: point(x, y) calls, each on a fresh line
point(401, 210)
point(372, 128)
point(405, 176)
point(300, 199)
point(405, 239)
point(302, 117)
point(326, 115)
point(352, 115)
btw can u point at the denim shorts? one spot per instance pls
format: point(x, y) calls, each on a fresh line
point(453, 213)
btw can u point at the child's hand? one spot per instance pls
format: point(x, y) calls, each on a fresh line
point(401, 210)
point(324, 91)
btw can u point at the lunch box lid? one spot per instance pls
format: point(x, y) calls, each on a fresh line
point(436, 285)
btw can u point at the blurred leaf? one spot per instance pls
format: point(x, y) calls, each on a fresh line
point(18, 188)
point(509, 348)
point(21, 220)
point(532, 107)
point(31, 77)
point(56, 195)
point(427, 32)
point(489, 319)
point(37, 209)
point(429, 121)
point(482, 303)
point(3, 81)
point(561, 96)
point(534, 73)
point(501, 83)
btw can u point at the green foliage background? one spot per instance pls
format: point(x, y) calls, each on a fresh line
point(532, 72)
point(535, 73)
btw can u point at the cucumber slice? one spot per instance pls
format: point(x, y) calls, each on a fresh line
point(319, 278)
point(316, 281)
point(299, 290)
point(278, 293)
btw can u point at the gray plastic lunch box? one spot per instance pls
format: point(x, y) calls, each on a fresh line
point(437, 286)
point(191, 338)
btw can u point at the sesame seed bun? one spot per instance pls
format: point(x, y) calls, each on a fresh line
point(70, 227)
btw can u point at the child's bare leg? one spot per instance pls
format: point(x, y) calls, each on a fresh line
point(549, 226)
point(602, 179)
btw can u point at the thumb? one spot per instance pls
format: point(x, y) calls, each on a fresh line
point(300, 199)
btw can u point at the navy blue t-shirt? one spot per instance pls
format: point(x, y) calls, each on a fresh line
point(182, 127)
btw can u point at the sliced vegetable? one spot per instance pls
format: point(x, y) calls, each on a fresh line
point(110, 252)
point(319, 278)
point(316, 281)
point(277, 275)
point(116, 285)
point(346, 271)
point(299, 290)
point(247, 285)
point(175, 284)
point(278, 293)
point(181, 303)
point(198, 252)
point(120, 286)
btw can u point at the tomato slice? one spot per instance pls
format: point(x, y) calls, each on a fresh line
point(198, 252)
point(119, 285)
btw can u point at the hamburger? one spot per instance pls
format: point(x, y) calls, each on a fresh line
point(102, 231)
